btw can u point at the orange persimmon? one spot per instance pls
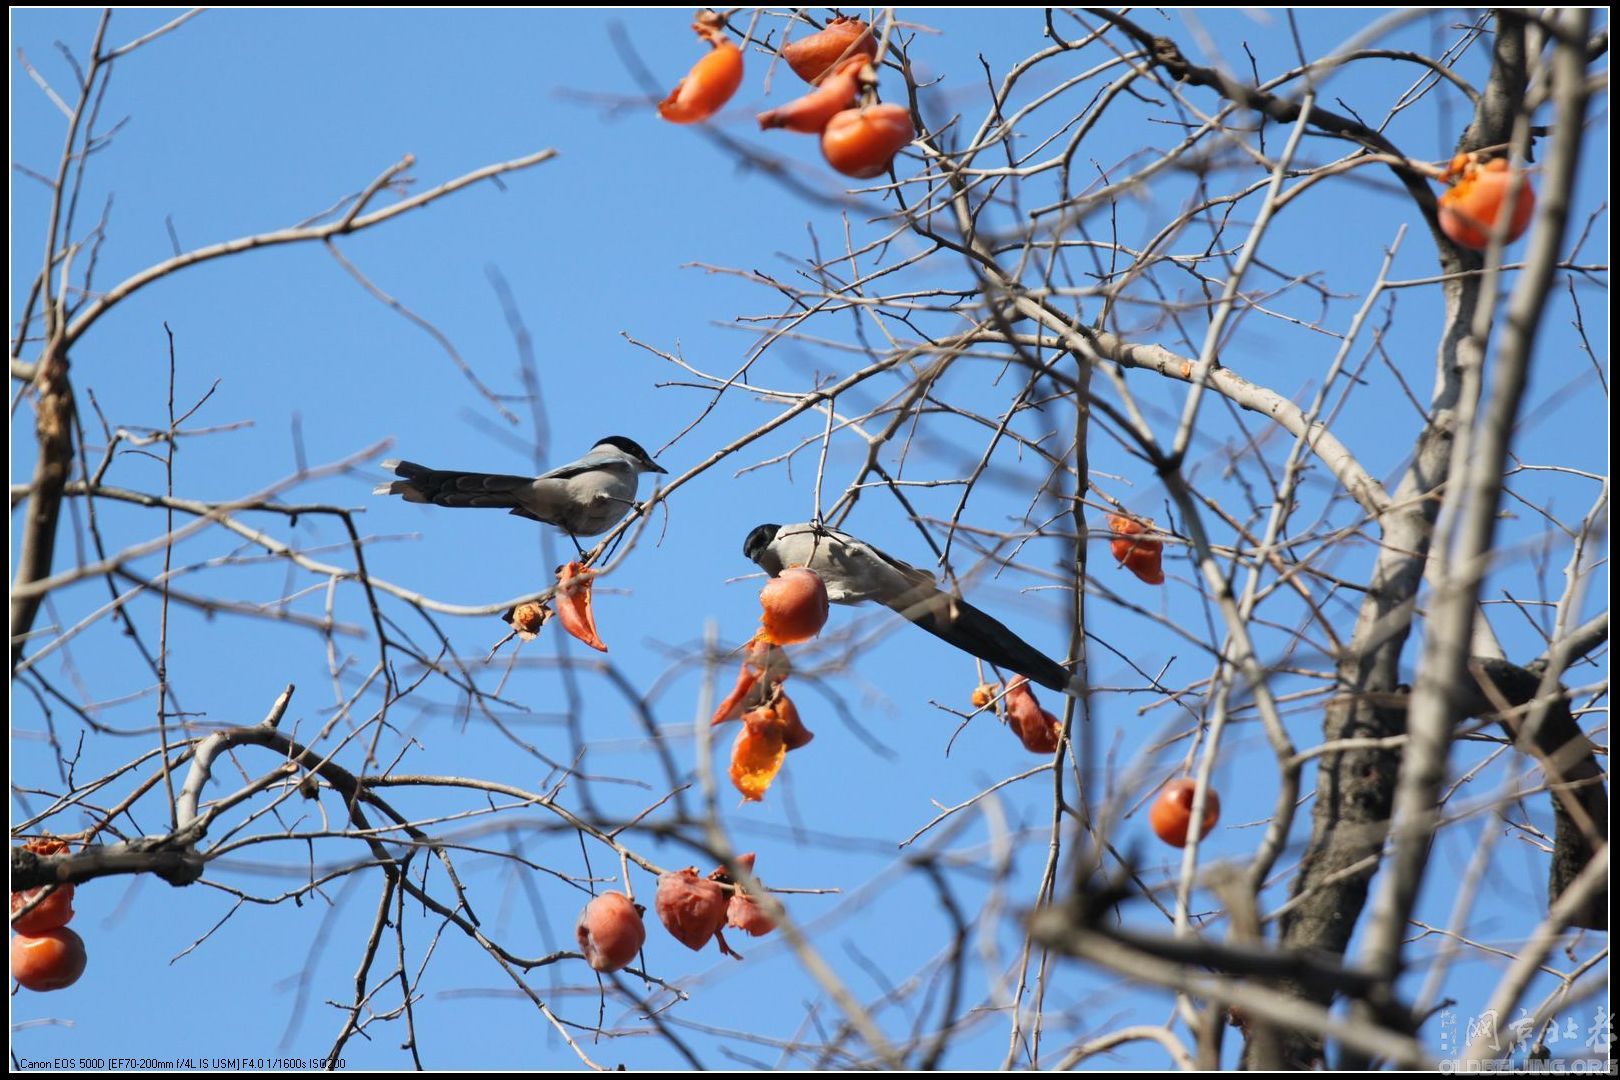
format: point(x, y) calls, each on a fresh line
point(53, 960)
point(809, 114)
point(610, 931)
point(744, 913)
point(54, 911)
point(1472, 206)
point(1171, 815)
point(795, 603)
point(863, 142)
point(712, 80)
point(813, 56)
point(691, 908)
point(1037, 729)
point(1144, 558)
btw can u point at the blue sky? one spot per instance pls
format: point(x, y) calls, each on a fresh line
point(242, 122)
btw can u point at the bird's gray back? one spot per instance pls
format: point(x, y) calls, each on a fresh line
point(852, 570)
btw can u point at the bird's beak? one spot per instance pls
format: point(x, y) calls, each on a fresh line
point(653, 466)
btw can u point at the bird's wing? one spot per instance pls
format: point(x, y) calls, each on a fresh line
point(918, 578)
point(854, 570)
point(916, 595)
point(595, 461)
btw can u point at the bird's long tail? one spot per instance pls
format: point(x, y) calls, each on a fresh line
point(447, 487)
point(961, 624)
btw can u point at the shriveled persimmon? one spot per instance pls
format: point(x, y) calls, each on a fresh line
point(46, 845)
point(809, 114)
point(692, 909)
point(1171, 816)
point(610, 931)
point(745, 914)
point(1037, 729)
point(814, 56)
point(527, 619)
point(53, 960)
point(712, 80)
point(1471, 208)
point(795, 606)
point(1144, 558)
point(54, 910)
point(863, 142)
point(743, 911)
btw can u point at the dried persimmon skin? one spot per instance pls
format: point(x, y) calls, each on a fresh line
point(574, 604)
point(763, 669)
point(527, 619)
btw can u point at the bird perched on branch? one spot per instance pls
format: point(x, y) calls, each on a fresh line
point(855, 571)
point(582, 498)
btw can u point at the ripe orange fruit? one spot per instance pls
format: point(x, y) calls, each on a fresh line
point(1144, 558)
point(812, 57)
point(710, 83)
point(795, 603)
point(810, 113)
point(53, 960)
point(54, 911)
point(1471, 207)
point(1172, 812)
point(863, 142)
point(610, 931)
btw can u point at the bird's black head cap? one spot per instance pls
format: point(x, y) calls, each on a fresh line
point(759, 540)
point(633, 448)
